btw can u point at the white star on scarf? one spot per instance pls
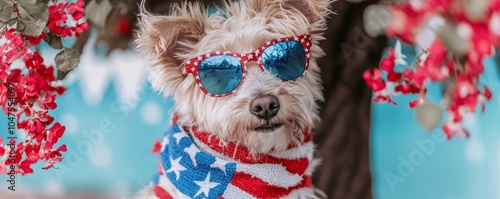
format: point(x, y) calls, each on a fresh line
point(176, 167)
point(205, 186)
point(164, 143)
point(192, 151)
point(219, 164)
point(179, 136)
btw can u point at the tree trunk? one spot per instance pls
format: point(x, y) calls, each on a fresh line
point(343, 136)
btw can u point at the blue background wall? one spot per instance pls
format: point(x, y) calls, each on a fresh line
point(410, 163)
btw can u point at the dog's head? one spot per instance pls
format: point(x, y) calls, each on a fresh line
point(265, 113)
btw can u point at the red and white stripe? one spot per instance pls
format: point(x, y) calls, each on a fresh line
point(277, 175)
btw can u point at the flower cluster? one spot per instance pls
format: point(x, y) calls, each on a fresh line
point(66, 19)
point(458, 67)
point(28, 92)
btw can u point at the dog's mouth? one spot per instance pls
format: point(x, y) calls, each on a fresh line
point(267, 128)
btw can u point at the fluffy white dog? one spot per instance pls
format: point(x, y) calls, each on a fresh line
point(246, 86)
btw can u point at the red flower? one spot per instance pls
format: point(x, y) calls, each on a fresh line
point(80, 28)
point(32, 149)
point(387, 64)
point(417, 78)
point(53, 134)
point(156, 147)
point(30, 92)
point(404, 88)
point(433, 64)
point(487, 93)
point(394, 76)
point(76, 9)
point(124, 27)
point(49, 102)
point(36, 40)
point(381, 98)
point(53, 156)
point(13, 47)
point(34, 127)
point(27, 89)
point(440, 65)
point(454, 128)
point(58, 19)
point(374, 80)
point(25, 166)
point(407, 21)
point(413, 103)
point(33, 61)
point(2, 149)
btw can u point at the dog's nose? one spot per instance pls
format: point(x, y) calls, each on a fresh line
point(265, 106)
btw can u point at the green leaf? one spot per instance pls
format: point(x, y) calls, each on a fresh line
point(54, 41)
point(33, 18)
point(429, 115)
point(6, 10)
point(26, 2)
point(5, 3)
point(98, 13)
point(454, 42)
point(67, 59)
point(11, 22)
point(34, 10)
point(376, 19)
point(475, 10)
point(61, 75)
point(24, 15)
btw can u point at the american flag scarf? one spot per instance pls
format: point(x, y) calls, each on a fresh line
point(199, 167)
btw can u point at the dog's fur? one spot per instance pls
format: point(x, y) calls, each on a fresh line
point(242, 27)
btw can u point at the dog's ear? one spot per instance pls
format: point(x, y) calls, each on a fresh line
point(163, 38)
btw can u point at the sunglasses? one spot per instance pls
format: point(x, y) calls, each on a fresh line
point(221, 73)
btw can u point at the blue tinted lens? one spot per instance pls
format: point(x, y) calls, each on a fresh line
point(220, 74)
point(286, 60)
